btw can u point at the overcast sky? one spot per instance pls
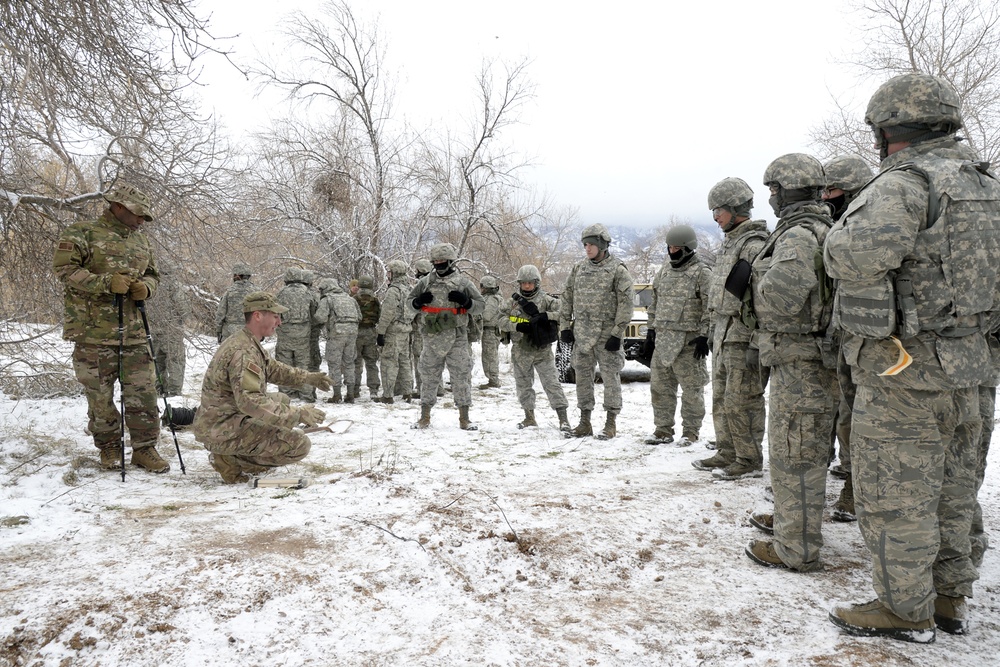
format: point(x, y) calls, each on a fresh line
point(639, 109)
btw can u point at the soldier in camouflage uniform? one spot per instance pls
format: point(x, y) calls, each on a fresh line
point(106, 265)
point(979, 540)
point(167, 313)
point(393, 332)
point(421, 268)
point(246, 429)
point(447, 300)
point(229, 314)
point(532, 319)
point(792, 301)
point(677, 339)
point(916, 256)
point(596, 308)
point(845, 176)
point(737, 382)
point(294, 337)
point(339, 315)
point(491, 331)
point(366, 358)
point(315, 358)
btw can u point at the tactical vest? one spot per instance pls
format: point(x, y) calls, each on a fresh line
point(815, 317)
point(297, 298)
point(719, 300)
point(371, 309)
point(680, 305)
point(949, 284)
point(440, 314)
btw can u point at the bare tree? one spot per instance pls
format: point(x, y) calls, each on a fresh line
point(958, 40)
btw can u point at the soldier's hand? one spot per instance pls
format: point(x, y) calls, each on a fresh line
point(539, 318)
point(567, 336)
point(614, 344)
point(319, 380)
point(523, 327)
point(311, 416)
point(700, 347)
point(138, 291)
point(422, 300)
point(529, 308)
point(461, 298)
point(650, 344)
point(380, 340)
point(120, 283)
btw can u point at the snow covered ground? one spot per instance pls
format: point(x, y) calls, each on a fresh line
point(438, 547)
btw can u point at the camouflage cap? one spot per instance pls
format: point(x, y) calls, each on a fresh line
point(915, 99)
point(131, 198)
point(849, 173)
point(795, 171)
point(255, 301)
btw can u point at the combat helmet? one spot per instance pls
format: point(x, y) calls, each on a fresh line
point(328, 285)
point(849, 173)
point(397, 268)
point(682, 236)
point(911, 108)
point(489, 283)
point(596, 234)
point(422, 267)
point(795, 171)
point(441, 252)
point(308, 277)
point(366, 282)
point(241, 269)
point(293, 275)
point(734, 195)
point(528, 274)
point(132, 198)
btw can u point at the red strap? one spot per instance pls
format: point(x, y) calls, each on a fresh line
point(434, 309)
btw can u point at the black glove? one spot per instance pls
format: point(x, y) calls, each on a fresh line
point(567, 336)
point(380, 340)
point(422, 300)
point(700, 347)
point(650, 344)
point(614, 344)
point(529, 308)
point(539, 318)
point(461, 298)
point(523, 327)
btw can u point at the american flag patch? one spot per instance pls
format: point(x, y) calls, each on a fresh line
point(66, 245)
point(253, 368)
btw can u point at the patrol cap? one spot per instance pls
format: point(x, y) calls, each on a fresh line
point(255, 301)
point(130, 197)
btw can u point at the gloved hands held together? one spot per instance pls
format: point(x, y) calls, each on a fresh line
point(461, 298)
point(138, 291)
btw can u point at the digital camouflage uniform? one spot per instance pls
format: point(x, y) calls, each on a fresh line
point(526, 357)
point(366, 359)
point(394, 324)
point(915, 434)
point(339, 315)
point(491, 332)
point(792, 304)
point(315, 358)
point(166, 314)
point(294, 346)
point(737, 387)
point(678, 313)
point(229, 313)
point(238, 417)
point(88, 255)
point(978, 538)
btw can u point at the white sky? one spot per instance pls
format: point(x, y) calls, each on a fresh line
point(638, 110)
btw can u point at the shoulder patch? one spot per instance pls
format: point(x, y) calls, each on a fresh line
point(66, 245)
point(254, 368)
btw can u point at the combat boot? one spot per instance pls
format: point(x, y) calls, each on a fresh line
point(763, 521)
point(712, 462)
point(464, 422)
point(425, 417)
point(762, 552)
point(229, 468)
point(564, 425)
point(873, 619)
point(383, 399)
point(336, 398)
point(150, 459)
point(583, 428)
point(950, 614)
point(610, 427)
point(111, 458)
point(660, 437)
point(489, 385)
point(529, 419)
point(843, 509)
point(350, 395)
point(738, 470)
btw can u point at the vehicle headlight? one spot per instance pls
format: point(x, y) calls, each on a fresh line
point(642, 330)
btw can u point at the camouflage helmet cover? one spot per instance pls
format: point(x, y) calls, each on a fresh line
point(366, 282)
point(597, 231)
point(849, 173)
point(795, 171)
point(441, 252)
point(488, 282)
point(397, 267)
point(308, 277)
point(328, 284)
point(132, 198)
point(731, 192)
point(682, 236)
point(529, 273)
point(915, 99)
point(293, 275)
point(423, 266)
point(241, 269)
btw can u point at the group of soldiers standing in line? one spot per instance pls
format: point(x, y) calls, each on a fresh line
point(873, 314)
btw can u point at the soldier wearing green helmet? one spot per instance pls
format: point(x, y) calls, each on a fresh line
point(916, 256)
point(421, 268)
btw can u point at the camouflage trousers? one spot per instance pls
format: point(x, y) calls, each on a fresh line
point(366, 360)
point(294, 351)
point(611, 364)
point(528, 360)
point(170, 360)
point(738, 404)
point(416, 347)
point(914, 455)
point(987, 409)
point(688, 373)
point(844, 410)
point(447, 348)
point(803, 405)
point(315, 358)
point(265, 445)
point(394, 360)
point(96, 368)
point(340, 353)
point(491, 354)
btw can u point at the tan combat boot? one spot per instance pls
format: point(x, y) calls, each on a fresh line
point(229, 468)
point(950, 614)
point(563, 420)
point(529, 419)
point(610, 427)
point(873, 619)
point(149, 459)
point(583, 428)
point(425, 417)
point(464, 422)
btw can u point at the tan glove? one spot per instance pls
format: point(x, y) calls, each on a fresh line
point(138, 291)
point(311, 416)
point(120, 283)
point(319, 380)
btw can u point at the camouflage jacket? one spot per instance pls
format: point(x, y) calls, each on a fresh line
point(338, 312)
point(230, 308)
point(88, 254)
point(371, 309)
point(887, 230)
point(597, 301)
point(235, 391)
point(302, 303)
point(492, 303)
point(440, 287)
point(396, 314)
point(512, 314)
point(678, 311)
point(743, 242)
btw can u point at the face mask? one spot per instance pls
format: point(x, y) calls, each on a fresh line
point(775, 202)
point(443, 269)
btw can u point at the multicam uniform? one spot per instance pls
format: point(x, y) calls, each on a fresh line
point(394, 323)
point(294, 335)
point(526, 357)
point(339, 314)
point(88, 255)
